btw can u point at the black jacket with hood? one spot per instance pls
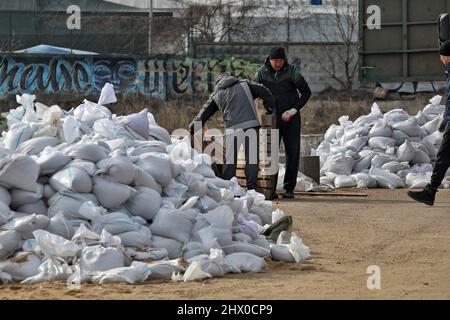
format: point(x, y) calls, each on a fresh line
point(234, 98)
point(285, 86)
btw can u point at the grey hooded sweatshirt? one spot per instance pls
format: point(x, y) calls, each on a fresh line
point(234, 98)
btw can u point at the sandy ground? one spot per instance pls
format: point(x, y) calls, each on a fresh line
point(408, 241)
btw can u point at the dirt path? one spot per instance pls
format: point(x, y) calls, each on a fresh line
point(408, 241)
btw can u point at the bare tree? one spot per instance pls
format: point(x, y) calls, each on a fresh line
point(222, 20)
point(338, 53)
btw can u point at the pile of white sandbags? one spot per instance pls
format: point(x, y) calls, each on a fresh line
point(391, 150)
point(87, 196)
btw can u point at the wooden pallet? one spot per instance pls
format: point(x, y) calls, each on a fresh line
point(266, 183)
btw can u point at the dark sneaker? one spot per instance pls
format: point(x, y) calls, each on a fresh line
point(288, 195)
point(426, 196)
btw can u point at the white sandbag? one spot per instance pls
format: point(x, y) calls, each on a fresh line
point(60, 226)
point(5, 196)
point(352, 132)
point(172, 224)
point(206, 203)
point(117, 169)
point(115, 223)
point(37, 145)
point(175, 190)
point(196, 184)
point(50, 270)
point(165, 269)
point(17, 134)
point(436, 100)
point(381, 129)
point(339, 164)
point(363, 163)
point(379, 160)
point(145, 203)
point(137, 272)
point(111, 195)
point(406, 152)
point(327, 181)
point(143, 254)
point(141, 238)
point(71, 178)
point(160, 134)
point(98, 258)
point(21, 266)
point(356, 144)
point(420, 157)
point(107, 95)
point(158, 166)
point(138, 122)
point(27, 225)
point(5, 213)
point(172, 246)
point(245, 262)
point(432, 126)
point(364, 180)
point(330, 134)
point(381, 142)
point(342, 181)
point(395, 116)
point(48, 191)
point(143, 179)
point(246, 247)
point(410, 127)
point(51, 160)
point(69, 203)
point(86, 151)
point(280, 252)
point(205, 170)
point(87, 166)
point(93, 112)
point(38, 207)
point(71, 129)
point(85, 237)
point(242, 237)
point(195, 272)
point(394, 166)
point(55, 246)
point(20, 197)
point(19, 171)
point(386, 179)
point(433, 109)
point(10, 242)
point(400, 137)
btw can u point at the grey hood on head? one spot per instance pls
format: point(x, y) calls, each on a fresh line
point(226, 81)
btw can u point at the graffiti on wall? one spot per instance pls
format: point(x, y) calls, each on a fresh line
point(154, 77)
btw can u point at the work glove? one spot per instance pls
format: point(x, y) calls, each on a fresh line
point(288, 115)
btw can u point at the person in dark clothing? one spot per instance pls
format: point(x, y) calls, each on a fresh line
point(291, 93)
point(234, 98)
point(428, 194)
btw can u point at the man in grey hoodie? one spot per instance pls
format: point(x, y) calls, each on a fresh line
point(234, 99)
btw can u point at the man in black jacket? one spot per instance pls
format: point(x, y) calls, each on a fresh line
point(291, 93)
point(428, 194)
point(234, 98)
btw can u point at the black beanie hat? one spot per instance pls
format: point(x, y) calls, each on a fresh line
point(444, 50)
point(277, 53)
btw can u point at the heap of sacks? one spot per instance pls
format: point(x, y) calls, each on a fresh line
point(87, 196)
point(391, 150)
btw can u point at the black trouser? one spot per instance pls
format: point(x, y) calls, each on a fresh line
point(443, 160)
point(290, 134)
point(251, 147)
